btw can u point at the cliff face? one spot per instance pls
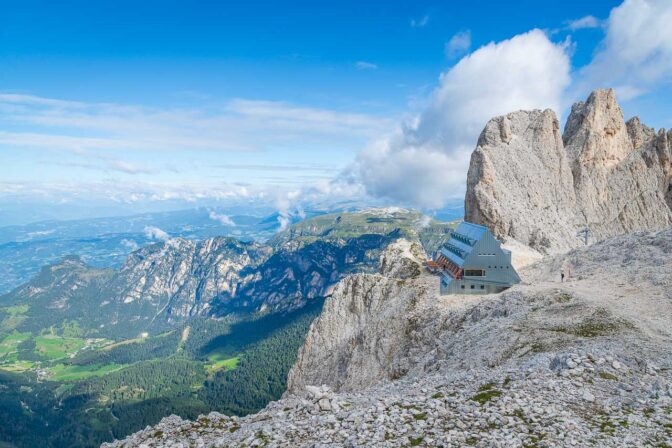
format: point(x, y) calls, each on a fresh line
point(361, 334)
point(529, 183)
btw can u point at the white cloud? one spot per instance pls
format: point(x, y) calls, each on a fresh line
point(130, 244)
point(458, 44)
point(583, 23)
point(425, 162)
point(363, 65)
point(287, 118)
point(284, 203)
point(238, 125)
point(636, 54)
point(127, 167)
point(221, 218)
point(424, 222)
point(284, 221)
point(104, 163)
point(421, 22)
point(154, 233)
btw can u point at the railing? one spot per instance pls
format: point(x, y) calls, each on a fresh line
point(448, 266)
point(456, 250)
point(466, 240)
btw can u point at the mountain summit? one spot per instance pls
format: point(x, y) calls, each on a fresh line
point(528, 182)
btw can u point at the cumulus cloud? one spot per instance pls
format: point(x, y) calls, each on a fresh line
point(583, 23)
point(636, 54)
point(363, 65)
point(286, 206)
point(221, 218)
point(154, 233)
point(425, 162)
point(458, 44)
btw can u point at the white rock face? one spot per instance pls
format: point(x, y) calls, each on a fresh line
point(528, 182)
point(361, 310)
point(402, 259)
point(182, 276)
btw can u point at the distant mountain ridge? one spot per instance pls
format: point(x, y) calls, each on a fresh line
point(165, 284)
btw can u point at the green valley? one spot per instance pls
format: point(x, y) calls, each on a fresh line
point(81, 392)
point(184, 327)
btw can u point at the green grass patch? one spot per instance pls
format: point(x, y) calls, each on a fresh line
point(17, 366)
point(608, 376)
point(600, 323)
point(563, 298)
point(11, 342)
point(218, 362)
point(62, 372)
point(57, 347)
point(486, 393)
point(416, 441)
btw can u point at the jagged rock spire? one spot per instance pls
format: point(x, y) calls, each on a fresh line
point(527, 182)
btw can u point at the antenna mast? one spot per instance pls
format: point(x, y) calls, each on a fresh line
point(584, 233)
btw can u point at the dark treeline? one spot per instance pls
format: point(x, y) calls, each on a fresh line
point(261, 375)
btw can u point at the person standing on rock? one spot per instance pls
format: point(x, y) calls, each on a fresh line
point(565, 270)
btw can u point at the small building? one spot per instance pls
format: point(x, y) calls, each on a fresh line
point(474, 262)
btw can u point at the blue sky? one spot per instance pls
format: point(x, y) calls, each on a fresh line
point(143, 105)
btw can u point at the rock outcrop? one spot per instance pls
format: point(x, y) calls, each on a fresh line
point(528, 182)
point(356, 340)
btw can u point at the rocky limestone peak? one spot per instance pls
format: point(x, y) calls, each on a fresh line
point(507, 172)
point(528, 183)
point(402, 259)
point(638, 132)
point(596, 135)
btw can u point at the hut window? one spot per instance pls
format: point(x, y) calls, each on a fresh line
point(474, 273)
point(473, 286)
point(482, 286)
point(462, 286)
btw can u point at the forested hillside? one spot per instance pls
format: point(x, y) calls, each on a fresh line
point(234, 366)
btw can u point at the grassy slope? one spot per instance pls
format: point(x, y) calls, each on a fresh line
point(218, 362)
point(57, 347)
point(61, 372)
